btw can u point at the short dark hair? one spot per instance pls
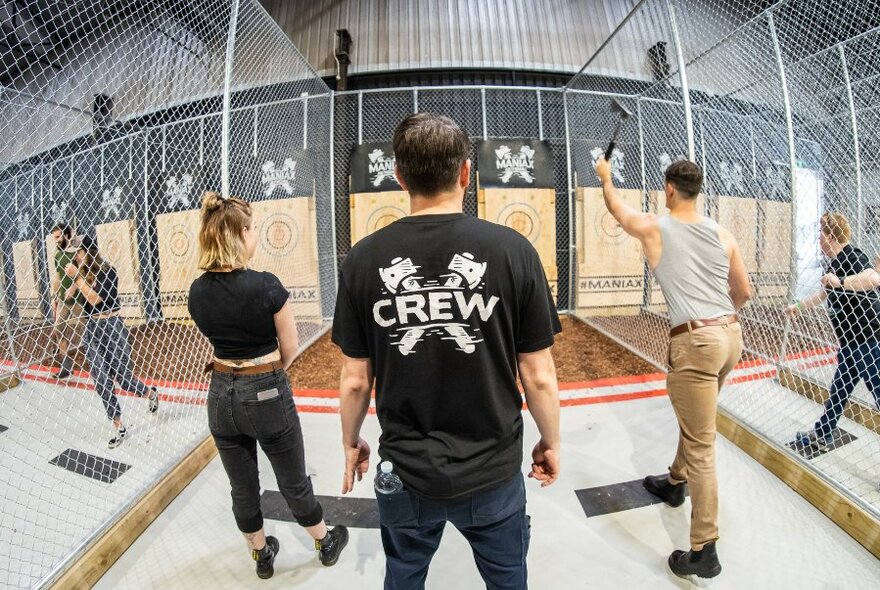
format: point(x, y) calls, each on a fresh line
point(686, 177)
point(65, 229)
point(430, 150)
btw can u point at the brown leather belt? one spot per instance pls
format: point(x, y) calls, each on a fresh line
point(696, 324)
point(254, 370)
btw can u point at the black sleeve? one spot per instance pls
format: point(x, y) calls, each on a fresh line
point(348, 331)
point(858, 262)
point(538, 319)
point(275, 295)
point(106, 286)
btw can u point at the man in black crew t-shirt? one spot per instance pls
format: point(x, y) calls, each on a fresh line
point(442, 309)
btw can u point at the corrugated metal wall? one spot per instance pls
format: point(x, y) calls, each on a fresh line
point(388, 35)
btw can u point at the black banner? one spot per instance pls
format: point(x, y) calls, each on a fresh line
point(517, 162)
point(372, 168)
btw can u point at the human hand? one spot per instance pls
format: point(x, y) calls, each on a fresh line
point(830, 281)
point(71, 270)
point(70, 292)
point(603, 169)
point(791, 310)
point(545, 464)
point(357, 461)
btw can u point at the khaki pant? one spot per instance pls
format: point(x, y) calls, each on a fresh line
point(70, 319)
point(700, 361)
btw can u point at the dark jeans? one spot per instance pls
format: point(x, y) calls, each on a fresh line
point(109, 355)
point(495, 524)
point(854, 362)
point(244, 410)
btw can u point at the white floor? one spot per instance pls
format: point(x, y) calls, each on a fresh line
point(771, 537)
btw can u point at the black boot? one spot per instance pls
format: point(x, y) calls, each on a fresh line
point(704, 563)
point(332, 545)
point(671, 493)
point(265, 558)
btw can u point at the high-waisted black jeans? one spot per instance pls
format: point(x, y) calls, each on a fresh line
point(244, 410)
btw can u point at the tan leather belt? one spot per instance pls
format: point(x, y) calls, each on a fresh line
point(696, 324)
point(105, 315)
point(253, 370)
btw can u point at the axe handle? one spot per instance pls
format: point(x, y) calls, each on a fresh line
point(613, 142)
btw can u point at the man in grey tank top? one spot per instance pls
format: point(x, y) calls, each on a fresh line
point(704, 280)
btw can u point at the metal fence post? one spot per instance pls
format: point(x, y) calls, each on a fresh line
point(860, 204)
point(682, 74)
point(227, 90)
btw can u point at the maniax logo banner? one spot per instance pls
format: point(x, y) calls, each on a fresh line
point(274, 178)
point(511, 164)
point(111, 203)
point(178, 191)
point(372, 168)
point(731, 177)
point(515, 163)
point(23, 223)
point(381, 167)
point(58, 211)
point(616, 161)
point(444, 307)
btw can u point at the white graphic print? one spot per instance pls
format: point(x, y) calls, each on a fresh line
point(381, 167)
point(616, 161)
point(775, 180)
point(666, 161)
point(420, 307)
point(521, 164)
point(111, 202)
point(58, 211)
point(23, 223)
point(177, 191)
point(731, 177)
point(282, 178)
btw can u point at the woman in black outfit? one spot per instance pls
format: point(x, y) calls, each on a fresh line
point(246, 316)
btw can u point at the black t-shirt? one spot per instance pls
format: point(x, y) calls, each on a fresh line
point(106, 285)
point(855, 315)
point(441, 304)
point(235, 311)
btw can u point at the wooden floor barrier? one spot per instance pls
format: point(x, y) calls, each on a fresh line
point(98, 559)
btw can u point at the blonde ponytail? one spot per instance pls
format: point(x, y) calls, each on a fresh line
point(221, 245)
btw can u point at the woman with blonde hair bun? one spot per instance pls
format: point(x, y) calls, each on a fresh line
point(248, 320)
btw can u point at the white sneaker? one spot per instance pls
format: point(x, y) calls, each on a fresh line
point(117, 440)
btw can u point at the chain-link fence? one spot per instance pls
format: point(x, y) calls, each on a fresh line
point(116, 117)
point(775, 101)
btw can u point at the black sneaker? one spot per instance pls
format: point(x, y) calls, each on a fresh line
point(153, 400)
point(671, 493)
point(66, 368)
point(265, 558)
point(703, 563)
point(332, 545)
point(117, 440)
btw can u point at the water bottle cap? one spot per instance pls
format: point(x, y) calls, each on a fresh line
point(385, 467)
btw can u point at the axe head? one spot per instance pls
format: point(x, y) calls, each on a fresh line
point(618, 108)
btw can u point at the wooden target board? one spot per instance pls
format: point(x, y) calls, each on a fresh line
point(117, 242)
point(373, 211)
point(774, 256)
point(740, 217)
point(288, 248)
point(610, 262)
point(531, 212)
point(178, 260)
point(27, 289)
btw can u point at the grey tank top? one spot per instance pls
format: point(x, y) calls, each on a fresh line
point(693, 271)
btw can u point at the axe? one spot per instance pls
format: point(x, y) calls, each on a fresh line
point(623, 114)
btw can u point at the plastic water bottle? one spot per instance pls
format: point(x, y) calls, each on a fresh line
point(387, 482)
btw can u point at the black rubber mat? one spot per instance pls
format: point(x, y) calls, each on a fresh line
point(3, 428)
point(841, 437)
point(362, 513)
point(616, 497)
point(99, 468)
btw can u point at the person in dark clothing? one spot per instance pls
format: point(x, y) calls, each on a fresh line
point(66, 311)
point(107, 349)
point(249, 321)
point(849, 290)
point(444, 309)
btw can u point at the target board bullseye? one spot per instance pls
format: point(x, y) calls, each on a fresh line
point(373, 211)
point(280, 235)
point(523, 218)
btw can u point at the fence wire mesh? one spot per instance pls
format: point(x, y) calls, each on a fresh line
point(112, 118)
point(780, 98)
